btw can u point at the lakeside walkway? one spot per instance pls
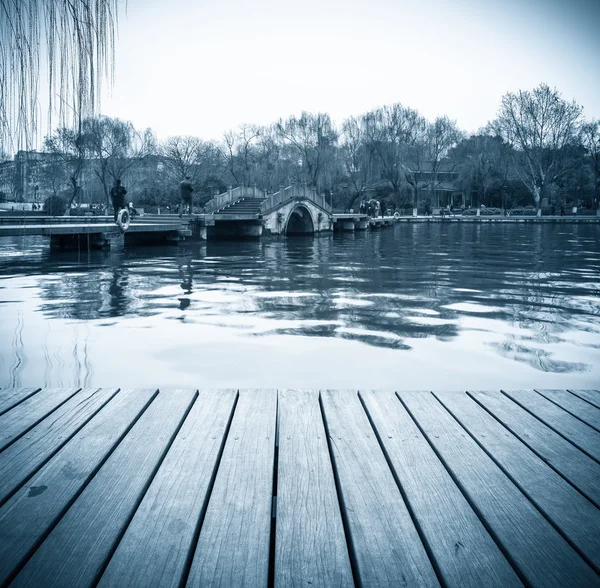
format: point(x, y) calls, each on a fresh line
point(98, 232)
point(256, 488)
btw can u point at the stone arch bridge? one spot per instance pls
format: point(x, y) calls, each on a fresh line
point(250, 212)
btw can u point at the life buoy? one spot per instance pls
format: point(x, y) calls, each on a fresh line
point(396, 215)
point(123, 219)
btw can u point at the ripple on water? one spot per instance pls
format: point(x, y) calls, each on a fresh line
point(472, 307)
point(417, 300)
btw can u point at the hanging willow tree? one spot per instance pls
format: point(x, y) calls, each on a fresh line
point(75, 39)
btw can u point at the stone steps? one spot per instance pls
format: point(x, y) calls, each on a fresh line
point(242, 206)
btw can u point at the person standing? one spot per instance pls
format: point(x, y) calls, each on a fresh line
point(185, 190)
point(117, 195)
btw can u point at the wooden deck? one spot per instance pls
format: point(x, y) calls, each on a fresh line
point(259, 488)
point(83, 228)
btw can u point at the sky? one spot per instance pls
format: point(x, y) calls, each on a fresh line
point(202, 67)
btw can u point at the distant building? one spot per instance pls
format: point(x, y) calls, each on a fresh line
point(440, 187)
point(24, 179)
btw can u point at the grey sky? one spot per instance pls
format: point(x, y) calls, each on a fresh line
point(202, 67)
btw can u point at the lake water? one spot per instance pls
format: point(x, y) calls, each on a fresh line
point(416, 306)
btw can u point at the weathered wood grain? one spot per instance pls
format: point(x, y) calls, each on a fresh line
point(125, 490)
point(88, 533)
point(234, 542)
point(581, 470)
point(31, 513)
point(534, 547)
point(570, 427)
point(157, 544)
point(27, 454)
point(31, 411)
point(582, 409)
point(575, 516)
point(591, 396)
point(10, 397)
point(384, 543)
point(462, 549)
point(310, 546)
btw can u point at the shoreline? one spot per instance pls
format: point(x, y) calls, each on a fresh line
point(500, 219)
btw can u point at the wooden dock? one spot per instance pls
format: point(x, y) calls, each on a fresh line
point(99, 234)
point(109, 228)
point(107, 487)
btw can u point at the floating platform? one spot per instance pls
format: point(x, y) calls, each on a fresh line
point(259, 488)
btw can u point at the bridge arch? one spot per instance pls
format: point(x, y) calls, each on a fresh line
point(300, 222)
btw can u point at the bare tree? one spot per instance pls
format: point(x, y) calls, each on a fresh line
point(590, 133)
point(396, 135)
point(116, 147)
point(78, 44)
point(356, 157)
point(484, 165)
point(270, 168)
point(541, 126)
point(68, 146)
point(240, 152)
point(440, 137)
point(311, 139)
point(54, 176)
point(182, 157)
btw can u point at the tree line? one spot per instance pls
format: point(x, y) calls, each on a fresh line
point(538, 151)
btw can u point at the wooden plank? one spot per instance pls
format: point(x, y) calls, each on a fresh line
point(31, 411)
point(576, 406)
point(157, 544)
point(591, 396)
point(570, 427)
point(581, 470)
point(310, 546)
point(533, 546)
point(570, 512)
point(234, 543)
point(462, 549)
point(384, 543)
point(10, 397)
point(30, 514)
point(30, 452)
point(89, 531)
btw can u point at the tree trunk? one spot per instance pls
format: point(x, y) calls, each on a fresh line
point(415, 200)
point(73, 196)
point(351, 201)
point(537, 196)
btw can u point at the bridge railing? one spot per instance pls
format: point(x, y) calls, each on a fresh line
point(232, 195)
point(292, 193)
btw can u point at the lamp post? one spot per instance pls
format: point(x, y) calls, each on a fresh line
point(159, 170)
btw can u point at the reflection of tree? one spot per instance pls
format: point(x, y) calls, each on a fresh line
point(388, 289)
point(118, 291)
point(87, 291)
point(20, 359)
point(537, 358)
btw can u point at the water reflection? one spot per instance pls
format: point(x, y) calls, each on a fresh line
point(527, 294)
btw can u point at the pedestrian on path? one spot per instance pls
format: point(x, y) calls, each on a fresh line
point(117, 195)
point(185, 190)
